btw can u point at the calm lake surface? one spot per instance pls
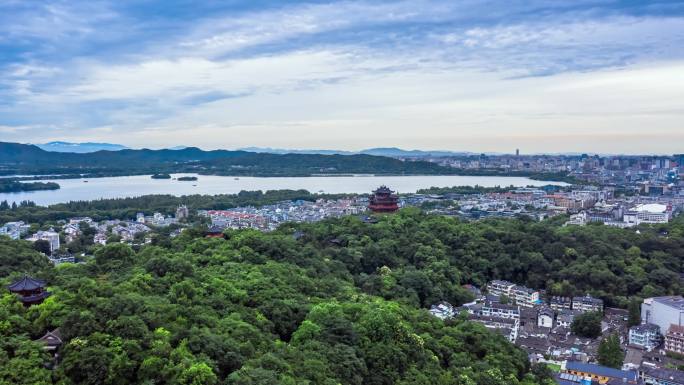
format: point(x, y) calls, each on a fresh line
point(132, 186)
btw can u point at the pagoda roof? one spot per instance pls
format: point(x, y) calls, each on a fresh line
point(383, 189)
point(53, 338)
point(26, 284)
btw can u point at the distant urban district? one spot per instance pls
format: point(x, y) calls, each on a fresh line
point(460, 285)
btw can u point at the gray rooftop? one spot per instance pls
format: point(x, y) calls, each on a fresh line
point(676, 376)
point(676, 302)
point(643, 328)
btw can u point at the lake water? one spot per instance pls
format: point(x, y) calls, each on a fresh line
point(132, 186)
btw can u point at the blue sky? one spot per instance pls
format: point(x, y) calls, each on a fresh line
point(596, 76)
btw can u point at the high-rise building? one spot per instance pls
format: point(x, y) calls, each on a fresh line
point(679, 158)
point(663, 311)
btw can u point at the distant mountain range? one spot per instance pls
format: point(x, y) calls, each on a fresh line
point(80, 148)
point(16, 158)
point(392, 152)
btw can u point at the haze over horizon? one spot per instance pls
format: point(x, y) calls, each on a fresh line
point(479, 76)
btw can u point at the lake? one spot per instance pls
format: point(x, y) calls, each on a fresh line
point(132, 186)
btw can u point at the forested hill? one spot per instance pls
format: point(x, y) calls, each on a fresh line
point(21, 158)
point(342, 302)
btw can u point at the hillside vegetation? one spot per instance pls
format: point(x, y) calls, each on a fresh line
point(335, 302)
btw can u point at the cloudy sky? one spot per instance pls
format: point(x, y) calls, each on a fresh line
point(561, 76)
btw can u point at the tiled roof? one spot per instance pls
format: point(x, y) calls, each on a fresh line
point(26, 284)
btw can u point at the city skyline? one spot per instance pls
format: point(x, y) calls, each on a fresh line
point(592, 76)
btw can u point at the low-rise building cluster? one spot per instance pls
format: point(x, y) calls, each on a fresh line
point(652, 349)
point(270, 216)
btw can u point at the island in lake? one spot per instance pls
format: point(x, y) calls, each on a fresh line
point(187, 178)
point(11, 185)
point(161, 176)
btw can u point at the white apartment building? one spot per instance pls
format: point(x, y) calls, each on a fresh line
point(587, 304)
point(525, 296)
point(646, 336)
point(51, 236)
point(521, 295)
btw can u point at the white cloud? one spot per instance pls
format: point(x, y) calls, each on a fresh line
point(52, 21)
point(260, 78)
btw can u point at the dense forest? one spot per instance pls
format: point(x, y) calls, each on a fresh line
point(11, 185)
point(340, 301)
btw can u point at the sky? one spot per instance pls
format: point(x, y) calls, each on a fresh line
point(541, 76)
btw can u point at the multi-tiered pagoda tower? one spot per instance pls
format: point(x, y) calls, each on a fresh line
point(29, 290)
point(383, 200)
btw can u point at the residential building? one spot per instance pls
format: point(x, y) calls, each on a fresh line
point(443, 310)
point(50, 236)
point(521, 295)
point(587, 304)
point(565, 317)
point(663, 311)
point(579, 219)
point(79, 220)
point(499, 288)
point(182, 212)
point(646, 336)
point(13, 234)
point(15, 230)
point(545, 317)
point(524, 296)
point(100, 238)
point(507, 326)
point(600, 374)
point(499, 310)
point(660, 376)
point(71, 231)
point(560, 303)
point(674, 339)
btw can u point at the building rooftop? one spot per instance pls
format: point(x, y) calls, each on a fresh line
point(546, 311)
point(651, 208)
point(644, 328)
point(495, 305)
point(676, 376)
point(483, 318)
point(672, 301)
point(568, 379)
point(52, 339)
point(587, 299)
point(600, 370)
point(26, 284)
